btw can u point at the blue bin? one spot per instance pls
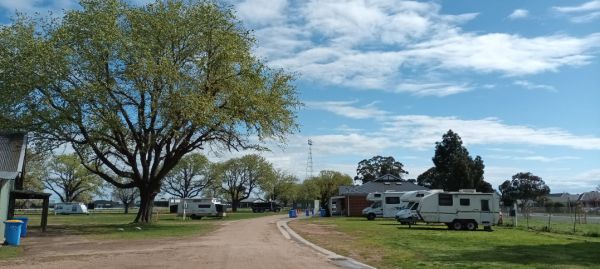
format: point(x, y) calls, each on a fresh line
point(312, 211)
point(307, 212)
point(292, 213)
point(12, 232)
point(25, 220)
point(323, 213)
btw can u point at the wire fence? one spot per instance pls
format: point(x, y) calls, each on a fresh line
point(580, 221)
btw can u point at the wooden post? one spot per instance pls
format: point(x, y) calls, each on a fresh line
point(45, 213)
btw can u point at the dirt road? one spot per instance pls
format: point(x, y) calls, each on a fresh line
point(251, 243)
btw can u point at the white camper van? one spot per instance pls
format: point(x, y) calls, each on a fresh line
point(409, 202)
point(70, 208)
point(465, 209)
point(385, 204)
point(198, 208)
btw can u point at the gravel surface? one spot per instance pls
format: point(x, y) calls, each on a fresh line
point(251, 243)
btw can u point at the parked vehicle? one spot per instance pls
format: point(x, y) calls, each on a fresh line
point(465, 209)
point(385, 204)
point(409, 202)
point(198, 208)
point(70, 208)
point(262, 207)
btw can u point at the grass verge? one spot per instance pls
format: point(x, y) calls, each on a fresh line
point(385, 244)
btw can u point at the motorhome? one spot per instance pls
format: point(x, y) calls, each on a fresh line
point(385, 204)
point(70, 208)
point(409, 202)
point(198, 208)
point(465, 209)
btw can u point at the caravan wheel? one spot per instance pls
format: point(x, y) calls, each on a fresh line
point(457, 225)
point(371, 216)
point(471, 226)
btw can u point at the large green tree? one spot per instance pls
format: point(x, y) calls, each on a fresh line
point(325, 185)
point(189, 177)
point(454, 168)
point(241, 176)
point(371, 169)
point(523, 186)
point(70, 180)
point(281, 187)
point(132, 89)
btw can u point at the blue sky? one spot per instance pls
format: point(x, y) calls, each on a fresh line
point(518, 80)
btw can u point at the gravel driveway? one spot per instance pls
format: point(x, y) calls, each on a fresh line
point(251, 243)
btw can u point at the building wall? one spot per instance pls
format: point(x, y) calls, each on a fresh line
point(5, 188)
point(356, 204)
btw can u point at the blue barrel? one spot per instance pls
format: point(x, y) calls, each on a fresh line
point(292, 213)
point(323, 213)
point(12, 232)
point(25, 220)
point(312, 211)
point(307, 212)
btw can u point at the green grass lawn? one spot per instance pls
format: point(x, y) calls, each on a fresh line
point(385, 244)
point(558, 225)
point(119, 226)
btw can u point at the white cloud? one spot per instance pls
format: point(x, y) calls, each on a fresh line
point(260, 12)
point(518, 14)
point(439, 89)
point(583, 13)
point(382, 45)
point(420, 131)
point(585, 7)
point(532, 86)
point(345, 108)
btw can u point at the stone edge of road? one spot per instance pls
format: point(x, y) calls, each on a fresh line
point(333, 257)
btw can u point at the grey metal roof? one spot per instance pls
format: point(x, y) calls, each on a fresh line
point(375, 186)
point(12, 154)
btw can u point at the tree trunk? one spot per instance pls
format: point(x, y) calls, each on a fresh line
point(147, 196)
point(234, 205)
point(126, 208)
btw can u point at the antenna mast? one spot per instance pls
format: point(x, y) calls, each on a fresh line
point(309, 161)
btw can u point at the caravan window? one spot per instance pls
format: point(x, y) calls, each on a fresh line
point(465, 202)
point(377, 195)
point(420, 194)
point(392, 200)
point(203, 206)
point(376, 205)
point(485, 206)
point(409, 205)
point(445, 199)
point(415, 206)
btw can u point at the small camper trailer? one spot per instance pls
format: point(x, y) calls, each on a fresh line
point(70, 208)
point(385, 204)
point(465, 209)
point(198, 208)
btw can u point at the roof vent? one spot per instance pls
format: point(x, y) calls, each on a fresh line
point(398, 183)
point(386, 183)
point(467, 190)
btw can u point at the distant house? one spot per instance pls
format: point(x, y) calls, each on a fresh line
point(563, 198)
point(247, 203)
point(590, 199)
point(106, 204)
point(351, 200)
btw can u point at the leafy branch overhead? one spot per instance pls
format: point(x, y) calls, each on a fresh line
point(133, 89)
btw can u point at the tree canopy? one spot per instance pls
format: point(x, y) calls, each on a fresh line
point(189, 177)
point(241, 176)
point(70, 181)
point(371, 169)
point(325, 185)
point(132, 89)
point(454, 168)
point(524, 186)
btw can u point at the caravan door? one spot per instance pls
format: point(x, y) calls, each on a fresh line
point(487, 217)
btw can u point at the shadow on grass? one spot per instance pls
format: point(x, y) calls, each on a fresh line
point(437, 228)
point(581, 254)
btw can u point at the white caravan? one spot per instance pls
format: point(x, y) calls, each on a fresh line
point(385, 204)
point(465, 209)
point(409, 202)
point(70, 208)
point(198, 208)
